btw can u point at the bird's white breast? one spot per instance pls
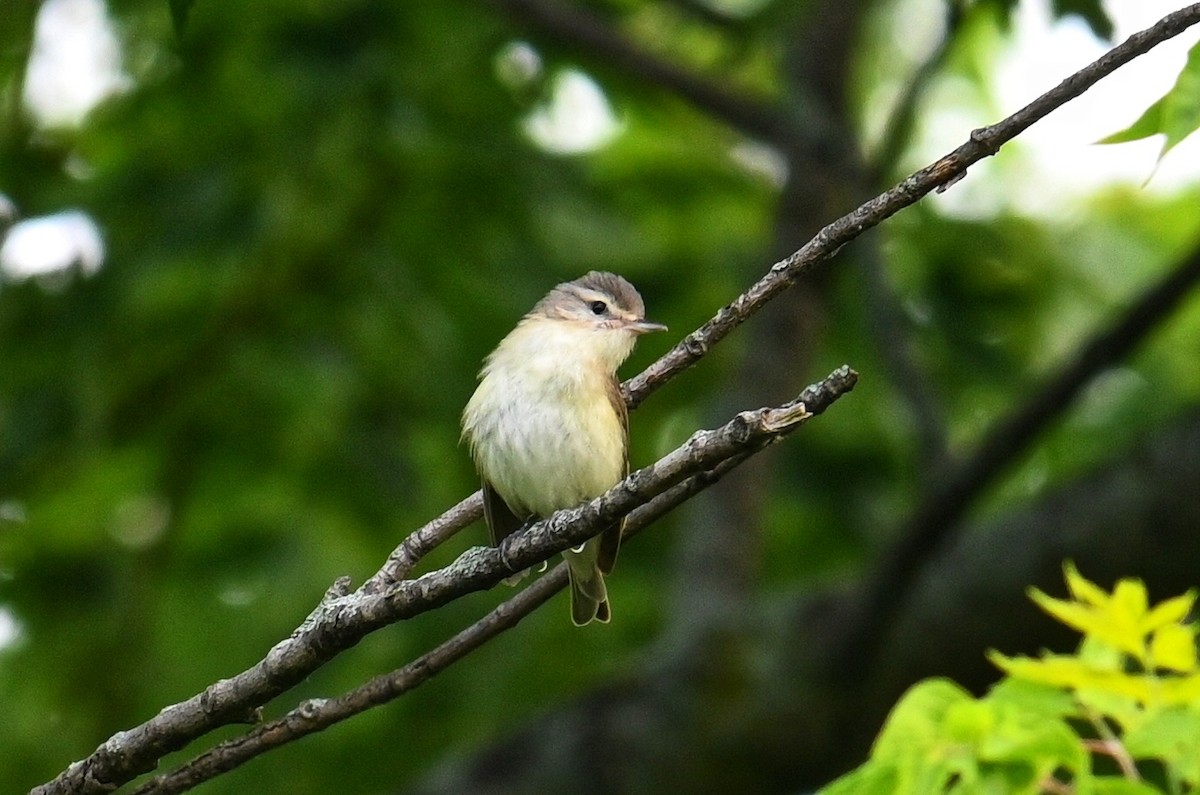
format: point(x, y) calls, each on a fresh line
point(541, 425)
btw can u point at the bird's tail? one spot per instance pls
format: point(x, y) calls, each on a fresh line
point(589, 597)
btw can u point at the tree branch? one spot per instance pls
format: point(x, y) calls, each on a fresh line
point(420, 543)
point(341, 620)
point(591, 32)
point(319, 714)
point(670, 716)
point(887, 322)
point(939, 513)
point(939, 175)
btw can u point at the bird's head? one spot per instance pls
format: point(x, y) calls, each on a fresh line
point(596, 318)
point(600, 301)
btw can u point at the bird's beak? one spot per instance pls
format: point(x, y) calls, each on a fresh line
point(644, 326)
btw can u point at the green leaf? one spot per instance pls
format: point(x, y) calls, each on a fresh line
point(1147, 125)
point(916, 720)
point(1172, 736)
point(1026, 737)
point(1123, 709)
point(1034, 698)
point(1181, 113)
point(1175, 115)
point(1101, 655)
point(1117, 785)
point(969, 722)
point(870, 779)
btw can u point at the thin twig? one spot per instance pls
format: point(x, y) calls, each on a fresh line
point(318, 714)
point(592, 32)
point(1115, 750)
point(423, 541)
point(1110, 745)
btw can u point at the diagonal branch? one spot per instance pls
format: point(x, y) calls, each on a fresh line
point(886, 320)
point(939, 175)
point(315, 715)
point(342, 620)
point(319, 714)
point(592, 32)
point(939, 513)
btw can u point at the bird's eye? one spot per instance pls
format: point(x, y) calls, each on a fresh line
point(599, 307)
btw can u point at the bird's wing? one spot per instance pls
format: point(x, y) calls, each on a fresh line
point(610, 537)
point(501, 520)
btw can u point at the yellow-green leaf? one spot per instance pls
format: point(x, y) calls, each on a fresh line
point(1083, 589)
point(1123, 623)
point(1174, 647)
point(1072, 614)
point(1173, 736)
point(1072, 673)
point(1180, 690)
point(1114, 622)
point(1172, 611)
point(1130, 600)
point(915, 720)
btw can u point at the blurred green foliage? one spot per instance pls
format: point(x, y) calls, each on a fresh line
point(318, 218)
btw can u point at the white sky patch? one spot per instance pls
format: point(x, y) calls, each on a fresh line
point(239, 595)
point(738, 9)
point(577, 119)
point(1061, 161)
point(1043, 53)
point(75, 63)
point(763, 161)
point(8, 212)
point(11, 511)
point(52, 244)
point(10, 628)
point(518, 65)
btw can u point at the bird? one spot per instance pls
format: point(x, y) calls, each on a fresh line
point(547, 426)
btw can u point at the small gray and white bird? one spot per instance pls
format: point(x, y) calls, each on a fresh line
point(548, 428)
